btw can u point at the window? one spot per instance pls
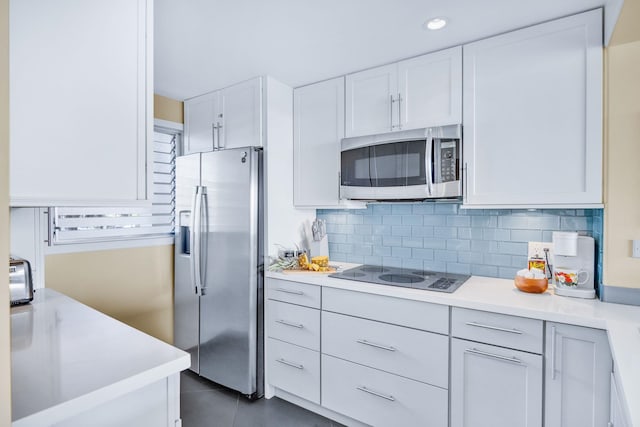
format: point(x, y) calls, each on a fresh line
point(100, 224)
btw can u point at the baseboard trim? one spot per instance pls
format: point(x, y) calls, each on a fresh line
point(620, 295)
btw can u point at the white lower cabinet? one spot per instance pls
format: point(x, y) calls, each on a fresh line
point(577, 377)
point(295, 324)
point(294, 369)
point(618, 416)
point(388, 361)
point(494, 386)
point(419, 355)
point(379, 398)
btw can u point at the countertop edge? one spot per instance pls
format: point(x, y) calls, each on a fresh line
point(105, 394)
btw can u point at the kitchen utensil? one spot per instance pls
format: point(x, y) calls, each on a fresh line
point(319, 229)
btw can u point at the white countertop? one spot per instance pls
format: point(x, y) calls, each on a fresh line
point(622, 322)
point(67, 357)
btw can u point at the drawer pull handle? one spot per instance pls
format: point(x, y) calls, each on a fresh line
point(494, 356)
point(288, 291)
point(375, 393)
point(372, 344)
point(553, 353)
point(292, 364)
point(495, 328)
point(295, 325)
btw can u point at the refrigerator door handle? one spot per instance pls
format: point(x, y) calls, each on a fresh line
point(192, 237)
point(197, 245)
point(204, 236)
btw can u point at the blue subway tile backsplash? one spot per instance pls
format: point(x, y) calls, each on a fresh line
point(444, 237)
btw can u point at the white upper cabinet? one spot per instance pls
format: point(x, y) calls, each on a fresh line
point(227, 118)
point(371, 96)
point(416, 93)
point(533, 115)
point(430, 90)
point(81, 103)
point(199, 123)
point(240, 115)
point(318, 128)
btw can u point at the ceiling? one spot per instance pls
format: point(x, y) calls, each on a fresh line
point(203, 45)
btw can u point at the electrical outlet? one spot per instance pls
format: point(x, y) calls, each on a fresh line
point(537, 248)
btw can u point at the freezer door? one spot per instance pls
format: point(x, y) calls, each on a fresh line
point(186, 300)
point(230, 300)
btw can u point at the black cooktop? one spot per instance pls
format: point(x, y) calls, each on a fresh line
point(404, 277)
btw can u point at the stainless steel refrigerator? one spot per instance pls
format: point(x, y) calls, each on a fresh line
point(219, 266)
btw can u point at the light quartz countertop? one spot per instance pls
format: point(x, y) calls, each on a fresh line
point(622, 322)
point(67, 358)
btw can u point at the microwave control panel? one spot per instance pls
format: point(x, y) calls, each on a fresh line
point(448, 161)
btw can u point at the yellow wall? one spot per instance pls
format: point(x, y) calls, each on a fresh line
point(134, 285)
point(622, 174)
point(168, 109)
point(5, 353)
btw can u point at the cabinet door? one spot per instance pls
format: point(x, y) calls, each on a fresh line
point(240, 115)
point(618, 417)
point(371, 101)
point(199, 123)
point(318, 126)
point(578, 365)
point(81, 101)
point(494, 386)
point(431, 90)
point(533, 115)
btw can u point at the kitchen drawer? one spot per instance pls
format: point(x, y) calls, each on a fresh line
point(499, 329)
point(294, 324)
point(379, 398)
point(294, 369)
point(418, 355)
point(404, 312)
point(293, 292)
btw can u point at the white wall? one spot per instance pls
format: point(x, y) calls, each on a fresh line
point(5, 352)
point(285, 224)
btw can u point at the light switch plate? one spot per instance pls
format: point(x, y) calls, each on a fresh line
point(636, 249)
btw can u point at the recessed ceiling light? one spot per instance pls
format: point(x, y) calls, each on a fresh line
point(435, 24)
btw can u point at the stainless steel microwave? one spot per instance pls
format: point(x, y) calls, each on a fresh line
point(407, 165)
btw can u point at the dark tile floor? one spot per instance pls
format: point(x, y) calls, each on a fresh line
point(206, 404)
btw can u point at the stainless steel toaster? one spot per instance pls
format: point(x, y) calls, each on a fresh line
point(20, 283)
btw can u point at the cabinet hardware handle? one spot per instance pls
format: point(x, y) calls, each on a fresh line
point(292, 364)
point(339, 186)
point(399, 111)
point(553, 352)
point(495, 328)
point(214, 129)
point(372, 344)
point(375, 393)
point(495, 356)
point(287, 291)
point(465, 175)
point(218, 131)
point(391, 112)
point(295, 325)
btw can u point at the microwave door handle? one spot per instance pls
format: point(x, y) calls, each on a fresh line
point(429, 158)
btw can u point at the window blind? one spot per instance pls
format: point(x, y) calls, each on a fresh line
point(94, 224)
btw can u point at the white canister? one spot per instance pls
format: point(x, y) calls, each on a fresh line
point(565, 243)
